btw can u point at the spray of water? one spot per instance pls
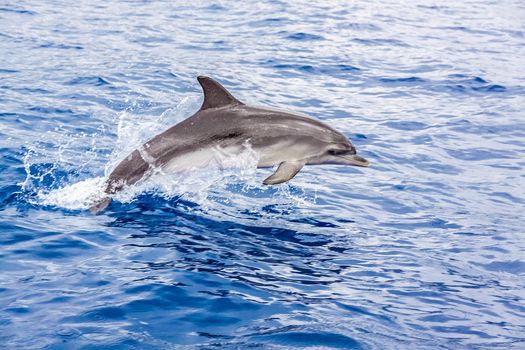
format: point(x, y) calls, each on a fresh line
point(232, 180)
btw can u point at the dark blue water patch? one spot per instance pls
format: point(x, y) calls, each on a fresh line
point(8, 71)
point(13, 234)
point(88, 80)
point(18, 11)
point(436, 223)
point(207, 46)
point(346, 68)
point(310, 102)
point(215, 336)
point(61, 248)
point(214, 319)
point(10, 156)
point(158, 223)
point(513, 304)
point(269, 22)
point(428, 187)
point(216, 8)
point(406, 125)
point(470, 30)
point(313, 241)
point(480, 154)
point(18, 310)
point(47, 175)
point(152, 41)
point(388, 204)
point(309, 339)
point(87, 342)
point(4, 35)
point(478, 80)
point(50, 110)
point(464, 330)
point(420, 161)
point(9, 195)
point(515, 267)
point(465, 83)
point(455, 83)
point(363, 311)
point(298, 67)
point(507, 196)
point(367, 27)
point(402, 81)
point(467, 87)
point(60, 46)
point(359, 138)
point(315, 222)
point(13, 173)
point(380, 42)
point(156, 209)
point(490, 88)
point(433, 7)
point(67, 333)
point(19, 118)
point(31, 90)
point(179, 297)
point(489, 129)
point(312, 69)
point(304, 37)
point(109, 313)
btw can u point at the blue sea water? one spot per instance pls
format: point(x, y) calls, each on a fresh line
point(423, 250)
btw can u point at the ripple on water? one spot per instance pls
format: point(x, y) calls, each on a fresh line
point(310, 339)
point(93, 80)
point(304, 37)
point(421, 250)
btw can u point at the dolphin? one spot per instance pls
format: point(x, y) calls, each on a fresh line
point(280, 138)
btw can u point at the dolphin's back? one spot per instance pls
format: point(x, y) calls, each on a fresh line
point(233, 125)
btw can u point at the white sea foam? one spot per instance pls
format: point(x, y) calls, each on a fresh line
point(80, 195)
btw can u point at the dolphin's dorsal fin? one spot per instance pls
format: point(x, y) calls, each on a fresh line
point(215, 95)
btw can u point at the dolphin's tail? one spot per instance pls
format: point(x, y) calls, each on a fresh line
point(100, 205)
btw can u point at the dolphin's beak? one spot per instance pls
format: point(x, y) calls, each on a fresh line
point(354, 159)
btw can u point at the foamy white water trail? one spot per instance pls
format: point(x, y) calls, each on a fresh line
point(80, 195)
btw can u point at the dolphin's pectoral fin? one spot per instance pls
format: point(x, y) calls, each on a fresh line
point(215, 95)
point(286, 171)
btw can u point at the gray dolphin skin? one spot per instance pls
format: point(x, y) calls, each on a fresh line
point(279, 138)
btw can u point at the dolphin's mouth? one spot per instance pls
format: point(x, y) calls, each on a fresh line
point(354, 159)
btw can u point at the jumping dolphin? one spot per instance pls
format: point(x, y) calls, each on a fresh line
point(280, 138)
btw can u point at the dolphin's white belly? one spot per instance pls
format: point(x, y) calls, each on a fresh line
point(188, 161)
point(227, 157)
point(201, 158)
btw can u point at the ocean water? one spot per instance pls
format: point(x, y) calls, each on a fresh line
point(423, 250)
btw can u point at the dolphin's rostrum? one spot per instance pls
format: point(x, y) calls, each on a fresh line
point(280, 138)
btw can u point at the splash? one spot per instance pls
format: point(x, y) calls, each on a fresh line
point(231, 180)
point(78, 196)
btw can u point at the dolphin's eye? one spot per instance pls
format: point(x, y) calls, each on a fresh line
point(338, 152)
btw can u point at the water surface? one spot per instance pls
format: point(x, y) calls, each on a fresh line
point(424, 250)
